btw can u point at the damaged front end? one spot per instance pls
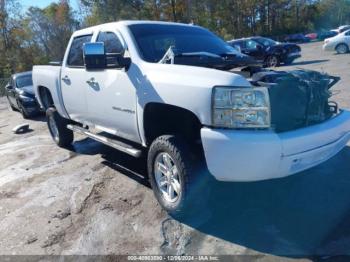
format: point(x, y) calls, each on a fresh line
point(298, 98)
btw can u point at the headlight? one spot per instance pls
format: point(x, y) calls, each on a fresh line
point(26, 98)
point(241, 107)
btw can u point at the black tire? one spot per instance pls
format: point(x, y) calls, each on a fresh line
point(22, 110)
point(194, 187)
point(62, 136)
point(272, 61)
point(342, 49)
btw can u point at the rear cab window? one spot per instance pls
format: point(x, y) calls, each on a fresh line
point(75, 56)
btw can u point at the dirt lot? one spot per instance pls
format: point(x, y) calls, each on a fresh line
point(94, 200)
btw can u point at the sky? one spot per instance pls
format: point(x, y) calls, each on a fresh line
point(43, 3)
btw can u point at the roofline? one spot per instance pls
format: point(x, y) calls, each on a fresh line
point(243, 38)
point(130, 22)
point(22, 73)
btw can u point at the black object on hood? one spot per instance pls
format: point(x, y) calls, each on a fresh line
point(298, 98)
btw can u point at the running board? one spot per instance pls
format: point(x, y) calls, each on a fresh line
point(128, 149)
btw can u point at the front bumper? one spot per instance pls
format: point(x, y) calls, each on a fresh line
point(328, 47)
point(247, 155)
point(294, 55)
point(31, 107)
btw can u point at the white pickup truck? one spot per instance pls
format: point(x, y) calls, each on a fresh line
point(170, 91)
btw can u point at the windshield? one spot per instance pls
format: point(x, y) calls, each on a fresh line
point(154, 40)
point(265, 41)
point(22, 81)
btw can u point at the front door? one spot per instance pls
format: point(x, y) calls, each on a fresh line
point(347, 38)
point(252, 49)
point(111, 95)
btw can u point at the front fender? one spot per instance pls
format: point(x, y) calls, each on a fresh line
point(186, 87)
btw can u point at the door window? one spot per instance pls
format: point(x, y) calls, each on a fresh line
point(75, 57)
point(251, 44)
point(111, 41)
point(112, 46)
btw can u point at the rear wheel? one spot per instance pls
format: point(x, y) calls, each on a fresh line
point(272, 61)
point(342, 49)
point(174, 175)
point(57, 125)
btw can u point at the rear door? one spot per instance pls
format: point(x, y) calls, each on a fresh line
point(73, 80)
point(111, 95)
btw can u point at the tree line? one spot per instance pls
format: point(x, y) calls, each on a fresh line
point(39, 35)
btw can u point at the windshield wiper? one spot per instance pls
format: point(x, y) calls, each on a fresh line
point(225, 61)
point(172, 53)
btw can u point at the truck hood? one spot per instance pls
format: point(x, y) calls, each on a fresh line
point(192, 76)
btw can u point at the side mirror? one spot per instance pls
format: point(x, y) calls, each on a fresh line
point(237, 47)
point(9, 87)
point(259, 47)
point(95, 57)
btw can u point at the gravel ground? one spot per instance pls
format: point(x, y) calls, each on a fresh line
point(93, 200)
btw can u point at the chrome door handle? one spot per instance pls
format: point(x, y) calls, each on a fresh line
point(65, 78)
point(91, 81)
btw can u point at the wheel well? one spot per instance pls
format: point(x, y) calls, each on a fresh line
point(342, 44)
point(161, 119)
point(45, 97)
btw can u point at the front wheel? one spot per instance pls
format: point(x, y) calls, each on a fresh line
point(57, 125)
point(342, 49)
point(173, 173)
point(272, 61)
point(22, 110)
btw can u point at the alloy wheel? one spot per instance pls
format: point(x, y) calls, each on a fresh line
point(167, 177)
point(53, 128)
point(342, 49)
point(272, 61)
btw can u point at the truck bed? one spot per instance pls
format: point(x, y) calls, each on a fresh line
point(48, 76)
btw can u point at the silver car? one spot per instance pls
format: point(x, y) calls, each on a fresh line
point(339, 43)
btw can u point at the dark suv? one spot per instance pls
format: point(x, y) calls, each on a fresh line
point(21, 96)
point(267, 51)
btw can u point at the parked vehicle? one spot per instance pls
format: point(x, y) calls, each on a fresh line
point(267, 51)
point(297, 38)
point(339, 43)
point(171, 91)
point(321, 35)
point(341, 29)
point(21, 96)
point(311, 36)
point(326, 34)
